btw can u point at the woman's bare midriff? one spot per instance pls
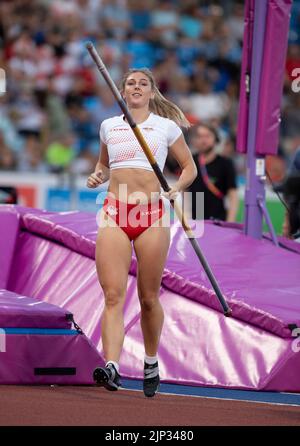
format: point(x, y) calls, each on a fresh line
point(132, 185)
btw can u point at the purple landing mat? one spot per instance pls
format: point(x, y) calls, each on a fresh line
point(224, 352)
point(257, 353)
point(284, 242)
point(61, 353)
point(200, 347)
point(20, 311)
point(67, 279)
point(260, 281)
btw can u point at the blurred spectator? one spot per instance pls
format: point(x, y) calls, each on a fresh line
point(290, 123)
point(82, 126)
point(140, 17)
point(209, 42)
point(31, 157)
point(294, 36)
point(23, 56)
point(165, 22)
point(230, 121)
point(216, 177)
point(190, 22)
point(141, 51)
point(60, 154)
point(162, 71)
point(235, 21)
point(7, 156)
point(28, 116)
point(292, 60)
point(84, 163)
point(187, 52)
point(58, 121)
point(206, 104)
point(100, 106)
point(112, 56)
point(88, 13)
point(276, 168)
point(230, 49)
point(7, 129)
point(115, 18)
point(180, 94)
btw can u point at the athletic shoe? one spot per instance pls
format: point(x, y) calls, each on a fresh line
point(107, 377)
point(151, 379)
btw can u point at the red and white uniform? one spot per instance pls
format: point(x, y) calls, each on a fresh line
point(124, 149)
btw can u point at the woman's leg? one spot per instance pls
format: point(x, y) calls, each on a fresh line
point(113, 258)
point(151, 249)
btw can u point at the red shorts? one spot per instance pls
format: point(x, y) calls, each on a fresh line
point(133, 219)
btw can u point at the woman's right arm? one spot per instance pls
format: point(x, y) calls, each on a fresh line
point(101, 173)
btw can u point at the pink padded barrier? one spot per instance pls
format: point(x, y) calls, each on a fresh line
point(54, 262)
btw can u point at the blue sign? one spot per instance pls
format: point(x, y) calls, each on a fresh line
point(90, 201)
point(58, 200)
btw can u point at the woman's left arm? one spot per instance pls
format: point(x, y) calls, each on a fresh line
point(180, 151)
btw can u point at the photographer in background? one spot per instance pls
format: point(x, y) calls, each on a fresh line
point(291, 192)
point(216, 176)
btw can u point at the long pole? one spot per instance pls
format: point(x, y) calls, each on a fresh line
point(101, 67)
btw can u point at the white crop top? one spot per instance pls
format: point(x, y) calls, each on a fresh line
point(124, 149)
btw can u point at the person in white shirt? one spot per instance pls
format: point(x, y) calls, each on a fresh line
point(131, 215)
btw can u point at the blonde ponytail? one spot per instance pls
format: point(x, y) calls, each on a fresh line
point(160, 105)
point(167, 109)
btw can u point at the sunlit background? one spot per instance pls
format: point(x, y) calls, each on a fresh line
point(55, 99)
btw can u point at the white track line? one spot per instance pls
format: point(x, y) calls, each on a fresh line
point(218, 398)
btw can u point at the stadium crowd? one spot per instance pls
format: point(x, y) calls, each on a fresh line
point(56, 99)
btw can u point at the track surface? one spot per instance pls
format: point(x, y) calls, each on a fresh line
point(93, 406)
